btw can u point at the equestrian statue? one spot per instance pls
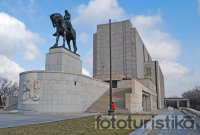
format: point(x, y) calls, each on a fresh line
point(64, 28)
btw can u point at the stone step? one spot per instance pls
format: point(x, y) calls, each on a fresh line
point(102, 104)
point(121, 110)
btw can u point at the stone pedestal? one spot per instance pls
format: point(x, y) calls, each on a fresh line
point(62, 60)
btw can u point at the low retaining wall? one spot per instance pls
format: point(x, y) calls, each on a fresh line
point(11, 103)
point(191, 112)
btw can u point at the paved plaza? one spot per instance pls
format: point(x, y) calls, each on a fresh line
point(13, 119)
point(165, 131)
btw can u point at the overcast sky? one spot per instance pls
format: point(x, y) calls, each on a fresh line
point(169, 29)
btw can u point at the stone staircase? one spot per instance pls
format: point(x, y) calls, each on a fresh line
point(102, 104)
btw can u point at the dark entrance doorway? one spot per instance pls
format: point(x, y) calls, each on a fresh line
point(114, 83)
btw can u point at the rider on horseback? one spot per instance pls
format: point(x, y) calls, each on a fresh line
point(67, 19)
point(67, 22)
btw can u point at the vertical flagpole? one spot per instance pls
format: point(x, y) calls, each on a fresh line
point(110, 112)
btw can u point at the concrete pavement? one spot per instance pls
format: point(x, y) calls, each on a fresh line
point(15, 118)
point(161, 115)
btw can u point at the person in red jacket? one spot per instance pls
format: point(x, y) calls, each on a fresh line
point(113, 106)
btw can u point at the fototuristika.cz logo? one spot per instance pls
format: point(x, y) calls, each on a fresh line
point(136, 121)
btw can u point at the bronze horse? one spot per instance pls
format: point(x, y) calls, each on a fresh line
point(64, 29)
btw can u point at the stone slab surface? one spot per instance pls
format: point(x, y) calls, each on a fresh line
point(29, 118)
point(165, 131)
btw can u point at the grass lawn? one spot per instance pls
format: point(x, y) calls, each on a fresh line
point(81, 126)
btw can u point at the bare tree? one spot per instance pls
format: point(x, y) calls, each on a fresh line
point(194, 96)
point(7, 88)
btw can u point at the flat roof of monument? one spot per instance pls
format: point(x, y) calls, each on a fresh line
point(116, 22)
point(176, 98)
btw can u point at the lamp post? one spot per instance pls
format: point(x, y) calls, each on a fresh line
point(110, 111)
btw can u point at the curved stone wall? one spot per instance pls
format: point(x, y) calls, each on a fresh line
point(46, 91)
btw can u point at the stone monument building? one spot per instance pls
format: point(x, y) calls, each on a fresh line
point(138, 82)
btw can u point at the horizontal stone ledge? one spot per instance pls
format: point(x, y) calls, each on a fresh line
point(43, 71)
